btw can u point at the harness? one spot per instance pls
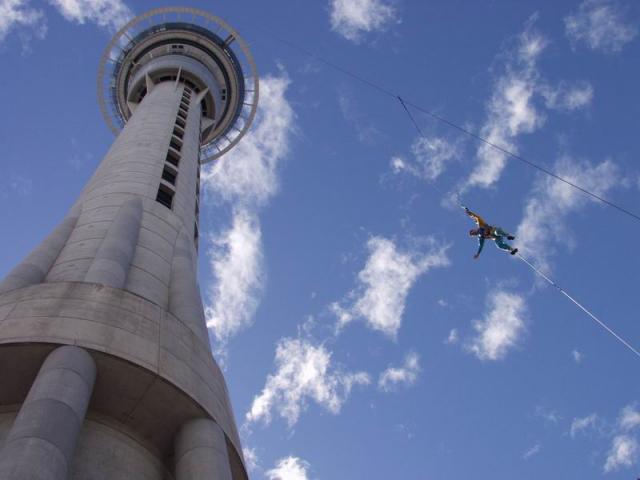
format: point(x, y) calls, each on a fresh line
point(488, 232)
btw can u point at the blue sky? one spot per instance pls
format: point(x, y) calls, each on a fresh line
point(359, 337)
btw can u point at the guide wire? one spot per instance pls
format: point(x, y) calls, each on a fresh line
point(421, 133)
point(446, 121)
point(578, 304)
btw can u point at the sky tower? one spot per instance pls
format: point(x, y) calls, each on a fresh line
point(105, 366)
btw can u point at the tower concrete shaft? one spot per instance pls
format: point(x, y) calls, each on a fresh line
point(106, 370)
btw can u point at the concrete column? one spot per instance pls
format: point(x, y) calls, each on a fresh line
point(43, 437)
point(35, 267)
point(111, 263)
point(184, 299)
point(201, 452)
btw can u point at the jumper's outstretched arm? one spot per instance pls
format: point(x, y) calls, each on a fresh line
point(477, 218)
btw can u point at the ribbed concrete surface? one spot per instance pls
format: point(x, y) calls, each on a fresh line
point(118, 279)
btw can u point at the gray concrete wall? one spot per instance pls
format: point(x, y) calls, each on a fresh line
point(201, 451)
point(41, 442)
point(155, 369)
point(133, 169)
point(107, 450)
point(123, 325)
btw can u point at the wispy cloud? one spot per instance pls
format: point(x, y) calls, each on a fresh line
point(624, 448)
point(248, 174)
point(236, 261)
point(577, 356)
point(353, 19)
point(580, 425)
point(15, 14)
point(289, 468)
point(552, 201)
point(453, 337)
point(534, 450)
point(394, 378)
point(567, 97)
point(246, 178)
point(600, 25)
point(384, 283)
point(431, 156)
point(502, 327)
point(548, 415)
point(629, 418)
point(303, 373)
point(623, 453)
point(250, 458)
point(109, 14)
point(510, 111)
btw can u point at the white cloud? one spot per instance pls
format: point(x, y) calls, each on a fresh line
point(577, 356)
point(629, 418)
point(548, 415)
point(567, 97)
point(551, 201)
point(623, 453)
point(289, 468)
point(532, 451)
point(384, 283)
point(453, 337)
point(354, 18)
point(111, 14)
point(399, 164)
point(601, 25)
point(236, 260)
point(248, 174)
point(502, 327)
point(395, 377)
point(510, 111)
point(246, 178)
point(250, 458)
point(18, 13)
point(431, 156)
point(579, 425)
point(303, 372)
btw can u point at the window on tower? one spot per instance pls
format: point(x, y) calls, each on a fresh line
point(173, 158)
point(165, 196)
point(169, 175)
point(175, 144)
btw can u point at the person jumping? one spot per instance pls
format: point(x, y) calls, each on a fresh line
point(484, 231)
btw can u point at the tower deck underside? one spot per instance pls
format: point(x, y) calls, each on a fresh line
point(117, 279)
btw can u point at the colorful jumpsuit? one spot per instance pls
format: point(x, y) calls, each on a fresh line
point(496, 234)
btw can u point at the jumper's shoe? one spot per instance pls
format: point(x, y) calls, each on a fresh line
point(514, 251)
point(510, 237)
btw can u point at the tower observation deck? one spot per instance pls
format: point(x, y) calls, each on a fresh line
point(106, 369)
